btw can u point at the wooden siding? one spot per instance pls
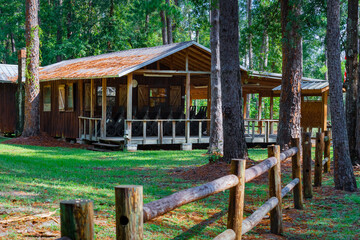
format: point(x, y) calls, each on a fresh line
point(7, 107)
point(59, 123)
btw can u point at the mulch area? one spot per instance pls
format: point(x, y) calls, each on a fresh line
point(44, 140)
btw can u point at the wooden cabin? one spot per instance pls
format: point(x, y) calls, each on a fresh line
point(142, 96)
point(8, 88)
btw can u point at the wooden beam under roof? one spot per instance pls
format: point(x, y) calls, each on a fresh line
point(172, 72)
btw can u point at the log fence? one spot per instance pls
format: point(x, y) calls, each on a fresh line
point(131, 213)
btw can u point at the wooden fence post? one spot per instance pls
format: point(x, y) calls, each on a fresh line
point(77, 219)
point(129, 212)
point(236, 199)
point(327, 140)
point(275, 190)
point(319, 148)
point(307, 165)
point(296, 173)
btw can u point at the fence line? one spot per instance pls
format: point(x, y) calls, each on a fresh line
point(131, 213)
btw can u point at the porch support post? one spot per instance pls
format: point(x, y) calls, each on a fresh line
point(208, 114)
point(324, 99)
point(259, 113)
point(103, 109)
point(271, 114)
point(129, 104)
point(81, 103)
point(245, 105)
point(187, 100)
point(92, 109)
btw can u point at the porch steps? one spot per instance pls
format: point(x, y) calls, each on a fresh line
point(105, 147)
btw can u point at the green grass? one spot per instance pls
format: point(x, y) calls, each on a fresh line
point(49, 175)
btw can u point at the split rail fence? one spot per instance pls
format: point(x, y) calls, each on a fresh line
point(131, 213)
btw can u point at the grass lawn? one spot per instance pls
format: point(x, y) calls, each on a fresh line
point(34, 180)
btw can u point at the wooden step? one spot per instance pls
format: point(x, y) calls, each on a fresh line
point(106, 145)
point(98, 149)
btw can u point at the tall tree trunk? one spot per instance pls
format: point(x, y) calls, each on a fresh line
point(216, 124)
point(264, 51)
point(169, 24)
point(32, 87)
point(163, 27)
point(343, 171)
point(290, 97)
point(59, 32)
point(13, 47)
point(352, 76)
point(69, 18)
point(111, 27)
point(231, 92)
point(249, 4)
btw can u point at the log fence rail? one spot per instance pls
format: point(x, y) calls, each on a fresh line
point(131, 213)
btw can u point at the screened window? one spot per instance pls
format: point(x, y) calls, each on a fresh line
point(47, 99)
point(61, 97)
point(66, 97)
point(87, 96)
point(110, 96)
point(157, 96)
point(70, 97)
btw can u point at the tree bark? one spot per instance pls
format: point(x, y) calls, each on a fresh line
point(249, 4)
point(163, 27)
point(59, 32)
point(343, 172)
point(290, 97)
point(169, 24)
point(32, 86)
point(216, 124)
point(231, 91)
point(352, 76)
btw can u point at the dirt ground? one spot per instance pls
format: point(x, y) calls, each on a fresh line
point(44, 140)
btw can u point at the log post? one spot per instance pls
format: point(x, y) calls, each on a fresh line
point(236, 199)
point(77, 219)
point(307, 165)
point(103, 109)
point(129, 212)
point(319, 148)
point(296, 173)
point(327, 140)
point(275, 190)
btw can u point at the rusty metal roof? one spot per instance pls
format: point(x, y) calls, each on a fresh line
point(8, 73)
point(109, 65)
point(310, 84)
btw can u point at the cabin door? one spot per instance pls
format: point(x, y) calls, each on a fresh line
point(175, 96)
point(143, 96)
point(122, 95)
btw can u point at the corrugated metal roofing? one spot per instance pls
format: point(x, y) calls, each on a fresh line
point(309, 85)
point(114, 64)
point(8, 72)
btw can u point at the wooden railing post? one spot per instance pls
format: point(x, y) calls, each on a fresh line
point(129, 212)
point(275, 190)
point(173, 131)
point(77, 219)
point(307, 165)
point(296, 173)
point(144, 132)
point(327, 140)
point(236, 199)
point(319, 148)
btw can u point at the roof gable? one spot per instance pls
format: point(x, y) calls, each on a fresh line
point(114, 64)
point(8, 73)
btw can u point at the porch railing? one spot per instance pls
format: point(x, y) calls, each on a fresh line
point(263, 127)
point(160, 123)
point(88, 128)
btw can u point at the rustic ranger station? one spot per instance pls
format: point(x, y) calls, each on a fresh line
point(145, 96)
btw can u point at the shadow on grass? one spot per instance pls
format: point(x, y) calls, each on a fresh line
point(198, 228)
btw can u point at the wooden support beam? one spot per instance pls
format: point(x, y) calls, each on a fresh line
point(187, 100)
point(81, 103)
point(327, 140)
point(271, 114)
point(319, 149)
point(172, 72)
point(92, 98)
point(245, 105)
point(103, 109)
point(306, 144)
point(275, 190)
point(77, 219)
point(324, 111)
point(129, 212)
point(296, 174)
point(236, 199)
point(129, 103)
